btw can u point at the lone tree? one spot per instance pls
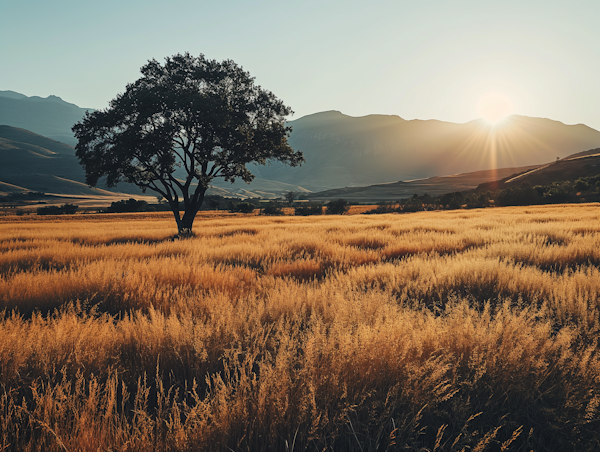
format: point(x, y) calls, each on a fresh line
point(181, 125)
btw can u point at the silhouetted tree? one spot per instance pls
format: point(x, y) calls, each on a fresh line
point(206, 117)
point(290, 196)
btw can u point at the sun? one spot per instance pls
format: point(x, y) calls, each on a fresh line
point(494, 107)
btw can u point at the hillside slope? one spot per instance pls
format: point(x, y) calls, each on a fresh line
point(31, 162)
point(582, 164)
point(51, 117)
point(433, 186)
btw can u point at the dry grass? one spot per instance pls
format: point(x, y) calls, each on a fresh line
point(457, 330)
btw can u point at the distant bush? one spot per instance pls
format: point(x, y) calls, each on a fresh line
point(337, 207)
point(384, 207)
point(246, 207)
point(414, 204)
point(213, 202)
point(65, 209)
point(478, 200)
point(452, 201)
point(49, 210)
point(127, 205)
point(517, 196)
point(69, 209)
point(314, 209)
point(237, 206)
point(271, 209)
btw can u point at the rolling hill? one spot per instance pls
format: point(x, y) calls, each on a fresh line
point(31, 162)
point(433, 186)
point(581, 164)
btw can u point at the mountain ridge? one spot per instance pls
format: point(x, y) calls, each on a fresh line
point(51, 116)
point(348, 151)
point(343, 150)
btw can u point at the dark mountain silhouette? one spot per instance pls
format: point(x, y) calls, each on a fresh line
point(51, 117)
point(343, 151)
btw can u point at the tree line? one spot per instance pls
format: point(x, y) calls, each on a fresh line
point(584, 189)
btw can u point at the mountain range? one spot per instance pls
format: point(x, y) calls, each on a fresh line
point(345, 151)
point(340, 151)
point(51, 117)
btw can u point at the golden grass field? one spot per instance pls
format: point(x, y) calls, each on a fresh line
point(434, 331)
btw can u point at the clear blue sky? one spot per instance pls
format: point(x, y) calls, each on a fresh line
point(417, 59)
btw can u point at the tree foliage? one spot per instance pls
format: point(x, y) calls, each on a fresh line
point(181, 125)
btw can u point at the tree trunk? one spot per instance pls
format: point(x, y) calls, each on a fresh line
point(184, 226)
point(185, 223)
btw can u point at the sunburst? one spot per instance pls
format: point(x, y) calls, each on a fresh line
point(494, 107)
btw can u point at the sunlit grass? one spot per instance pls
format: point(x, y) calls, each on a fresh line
point(456, 330)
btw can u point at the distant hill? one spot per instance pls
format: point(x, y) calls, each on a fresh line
point(51, 117)
point(583, 154)
point(31, 162)
point(581, 164)
point(433, 186)
point(572, 167)
point(345, 151)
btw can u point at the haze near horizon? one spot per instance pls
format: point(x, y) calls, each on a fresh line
point(433, 60)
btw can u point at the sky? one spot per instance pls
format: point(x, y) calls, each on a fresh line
point(418, 59)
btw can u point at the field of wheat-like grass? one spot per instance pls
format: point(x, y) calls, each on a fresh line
point(435, 331)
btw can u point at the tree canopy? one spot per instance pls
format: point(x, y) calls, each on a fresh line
point(196, 117)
